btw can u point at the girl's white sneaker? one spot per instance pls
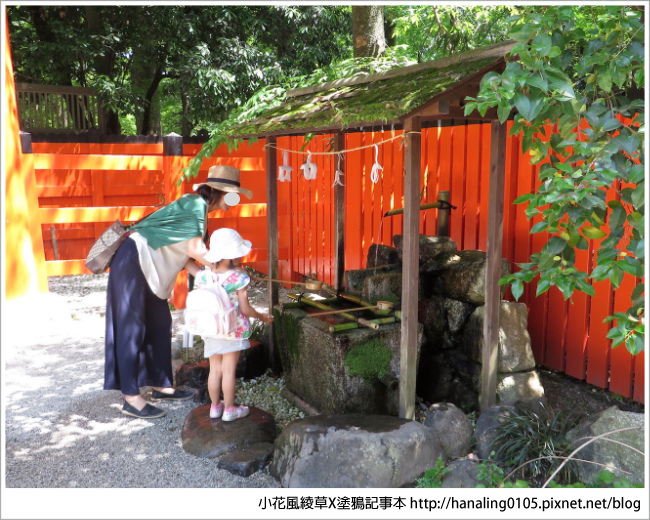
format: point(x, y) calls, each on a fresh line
point(233, 414)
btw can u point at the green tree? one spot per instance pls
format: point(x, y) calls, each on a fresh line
point(192, 64)
point(580, 69)
point(429, 32)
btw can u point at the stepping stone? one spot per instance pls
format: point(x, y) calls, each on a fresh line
point(354, 451)
point(246, 461)
point(210, 438)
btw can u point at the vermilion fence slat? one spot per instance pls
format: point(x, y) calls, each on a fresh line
point(472, 203)
point(621, 370)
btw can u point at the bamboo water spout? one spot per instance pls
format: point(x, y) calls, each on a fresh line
point(443, 215)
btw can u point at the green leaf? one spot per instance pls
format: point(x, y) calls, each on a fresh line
point(638, 195)
point(542, 44)
point(611, 124)
point(565, 285)
point(524, 198)
point(617, 218)
point(630, 266)
point(634, 344)
point(593, 233)
point(538, 82)
point(517, 289)
point(503, 113)
point(556, 245)
point(537, 228)
point(543, 286)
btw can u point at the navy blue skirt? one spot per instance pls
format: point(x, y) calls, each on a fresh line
point(138, 328)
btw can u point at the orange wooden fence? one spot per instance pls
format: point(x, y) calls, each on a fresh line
point(84, 187)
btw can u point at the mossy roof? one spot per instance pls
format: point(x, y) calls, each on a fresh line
point(371, 103)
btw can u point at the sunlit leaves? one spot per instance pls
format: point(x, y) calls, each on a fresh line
point(576, 69)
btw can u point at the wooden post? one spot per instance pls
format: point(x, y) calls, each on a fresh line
point(339, 215)
point(272, 233)
point(24, 262)
point(410, 268)
point(490, 357)
point(172, 155)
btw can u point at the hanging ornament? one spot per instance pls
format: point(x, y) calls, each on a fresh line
point(309, 169)
point(284, 171)
point(338, 174)
point(374, 173)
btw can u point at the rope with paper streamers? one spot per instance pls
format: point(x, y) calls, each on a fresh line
point(267, 145)
point(310, 170)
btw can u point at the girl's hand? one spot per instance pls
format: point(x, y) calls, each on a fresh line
point(266, 318)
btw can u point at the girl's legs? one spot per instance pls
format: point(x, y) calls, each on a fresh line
point(215, 378)
point(229, 367)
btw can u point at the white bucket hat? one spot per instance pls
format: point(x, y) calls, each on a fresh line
point(224, 178)
point(227, 243)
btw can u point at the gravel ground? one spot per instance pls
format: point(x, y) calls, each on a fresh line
point(63, 430)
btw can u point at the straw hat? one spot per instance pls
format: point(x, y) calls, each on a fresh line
point(227, 243)
point(224, 178)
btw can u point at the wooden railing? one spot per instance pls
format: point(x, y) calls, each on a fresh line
point(53, 108)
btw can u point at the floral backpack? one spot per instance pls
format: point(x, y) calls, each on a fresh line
point(208, 309)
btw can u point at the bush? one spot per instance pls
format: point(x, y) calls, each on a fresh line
point(531, 444)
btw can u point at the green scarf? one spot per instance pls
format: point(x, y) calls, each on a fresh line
point(180, 220)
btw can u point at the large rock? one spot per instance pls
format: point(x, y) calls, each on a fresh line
point(515, 351)
point(452, 428)
point(460, 275)
point(619, 456)
point(210, 438)
point(379, 255)
point(511, 386)
point(382, 286)
point(463, 473)
point(430, 247)
point(486, 427)
point(354, 279)
point(518, 386)
point(443, 320)
point(353, 451)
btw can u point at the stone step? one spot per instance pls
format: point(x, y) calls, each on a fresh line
point(211, 438)
point(247, 460)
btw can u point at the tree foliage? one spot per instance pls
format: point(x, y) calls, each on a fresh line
point(575, 86)
point(429, 32)
point(206, 60)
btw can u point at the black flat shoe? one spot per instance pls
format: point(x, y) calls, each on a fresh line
point(148, 412)
point(178, 395)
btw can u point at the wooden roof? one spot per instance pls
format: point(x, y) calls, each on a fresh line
point(431, 90)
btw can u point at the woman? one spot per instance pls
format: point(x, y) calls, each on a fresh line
point(141, 279)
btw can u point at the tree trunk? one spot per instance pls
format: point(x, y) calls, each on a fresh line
point(103, 66)
point(145, 78)
point(151, 116)
point(187, 125)
point(368, 31)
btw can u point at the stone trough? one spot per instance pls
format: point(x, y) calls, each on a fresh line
point(353, 371)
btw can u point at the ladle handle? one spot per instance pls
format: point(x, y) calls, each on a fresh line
point(340, 311)
point(282, 281)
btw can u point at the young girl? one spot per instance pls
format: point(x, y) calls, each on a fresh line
point(226, 249)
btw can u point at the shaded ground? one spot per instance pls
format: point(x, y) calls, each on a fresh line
point(567, 394)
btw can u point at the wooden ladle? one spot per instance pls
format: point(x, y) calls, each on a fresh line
point(311, 286)
point(381, 305)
